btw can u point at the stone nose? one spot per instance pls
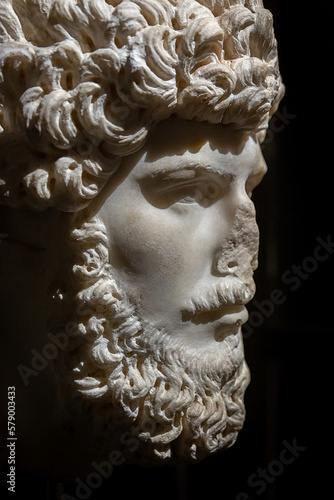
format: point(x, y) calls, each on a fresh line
point(226, 268)
point(237, 254)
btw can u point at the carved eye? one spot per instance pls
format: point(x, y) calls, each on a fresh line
point(201, 190)
point(187, 194)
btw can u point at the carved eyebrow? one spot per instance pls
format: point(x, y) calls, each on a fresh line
point(188, 171)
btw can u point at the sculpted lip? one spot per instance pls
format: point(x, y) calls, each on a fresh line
point(229, 324)
point(227, 315)
point(233, 315)
point(225, 321)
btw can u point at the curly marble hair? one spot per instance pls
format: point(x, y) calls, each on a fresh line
point(83, 81)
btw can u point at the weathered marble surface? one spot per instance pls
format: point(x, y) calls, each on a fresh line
point(130, 137)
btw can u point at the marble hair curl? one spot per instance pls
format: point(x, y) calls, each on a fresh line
point(83, 81)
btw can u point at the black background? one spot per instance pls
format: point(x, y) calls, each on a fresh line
point(289, 354)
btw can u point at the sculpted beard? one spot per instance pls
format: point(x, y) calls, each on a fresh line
point(179, 403)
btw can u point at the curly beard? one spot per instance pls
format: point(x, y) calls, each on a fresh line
point(121, 374)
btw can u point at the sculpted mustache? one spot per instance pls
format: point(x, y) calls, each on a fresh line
point(215, 297)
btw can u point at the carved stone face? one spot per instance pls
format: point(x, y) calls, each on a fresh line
point(164, 315)
point(182, 230)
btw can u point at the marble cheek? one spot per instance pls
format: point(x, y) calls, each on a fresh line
point(149, 250)
point(163, 251)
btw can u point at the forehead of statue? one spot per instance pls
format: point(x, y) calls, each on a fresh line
point(175, 136)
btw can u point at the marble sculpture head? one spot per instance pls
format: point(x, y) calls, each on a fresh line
point(138, 125)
